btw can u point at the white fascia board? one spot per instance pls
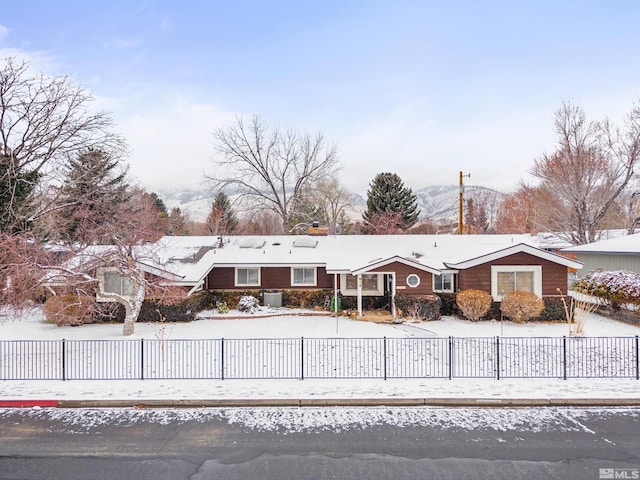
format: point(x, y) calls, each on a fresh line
point(268, 265)
point(387, 261)
point(159, 272)
point(520, 248)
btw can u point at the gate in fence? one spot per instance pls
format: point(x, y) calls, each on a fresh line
point(300, 358)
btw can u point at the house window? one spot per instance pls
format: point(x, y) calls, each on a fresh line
point(413, 280)
point(443, 282)
point(247, 277)
point(115, 282)
point(509, 278)
point(303, 276)
point(371, 284)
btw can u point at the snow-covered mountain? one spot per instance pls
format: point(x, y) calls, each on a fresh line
point(437, 202)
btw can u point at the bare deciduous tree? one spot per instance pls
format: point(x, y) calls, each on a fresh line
point(27, 267)
point(270, 167)
point(386, 223)
point(130, 258)
point(588, 171)
point(43, 121)
point(530, 210)
point(333, 199)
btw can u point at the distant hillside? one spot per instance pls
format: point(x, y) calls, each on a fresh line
point(437, 202)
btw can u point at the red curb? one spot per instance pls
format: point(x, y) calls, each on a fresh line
point(28, 403)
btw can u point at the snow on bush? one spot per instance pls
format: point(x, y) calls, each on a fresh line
point(248, 304)
point(614, 287)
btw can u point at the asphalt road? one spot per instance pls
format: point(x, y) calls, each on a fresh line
point(218, 444)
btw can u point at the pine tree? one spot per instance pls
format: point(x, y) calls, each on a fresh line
point(16, 187)
point(222, 219)
point(94, 186)
point(178, 223)
point(387, 194)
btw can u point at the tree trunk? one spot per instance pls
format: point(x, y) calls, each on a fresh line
point(132, 308)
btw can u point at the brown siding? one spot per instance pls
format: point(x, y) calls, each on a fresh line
point(271, 278)
point(554, 276)
point(221, 278)
point(402, 272)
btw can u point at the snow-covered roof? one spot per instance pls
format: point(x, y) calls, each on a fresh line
point(193, 257)
point(628, 244)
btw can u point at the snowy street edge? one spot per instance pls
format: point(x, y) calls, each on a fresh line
point(336, 402)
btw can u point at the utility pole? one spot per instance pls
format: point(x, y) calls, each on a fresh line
point(461, 195)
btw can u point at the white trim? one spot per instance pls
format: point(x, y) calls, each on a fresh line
point(315, 276)
point(520, 248)
point(443, 290)
point(537, 278)
point(410, 276)
point(352, 292)
point(387, 261)
point(235, 277)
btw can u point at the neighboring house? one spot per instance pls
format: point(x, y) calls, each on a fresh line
point(620, 253)
point(366, 265)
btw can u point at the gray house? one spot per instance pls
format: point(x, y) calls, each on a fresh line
point(621, 253)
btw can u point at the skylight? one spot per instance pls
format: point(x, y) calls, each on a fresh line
point(252, 242)
point(306, 242)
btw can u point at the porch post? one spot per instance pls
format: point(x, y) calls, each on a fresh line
point(359, 294)
point(393, 295)
point(335, 293)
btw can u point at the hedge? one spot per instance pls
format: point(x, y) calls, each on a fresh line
point(424, 307)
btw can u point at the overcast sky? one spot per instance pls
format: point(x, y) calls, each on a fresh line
point(423, 89)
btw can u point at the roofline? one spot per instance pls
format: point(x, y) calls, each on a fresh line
point(520, 247)
point(395, 258)
point(599, 252)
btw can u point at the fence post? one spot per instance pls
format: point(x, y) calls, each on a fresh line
point(497, 358)
point(64, 360)
point(301, 358)
point(450, 358)
point(384, 350)
point(637, 360)
point(222, 358)
point(142, 359)
point(564, 357)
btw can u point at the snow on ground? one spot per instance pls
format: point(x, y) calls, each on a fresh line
point(293, 419)
point(32, 326)
point(288, 323)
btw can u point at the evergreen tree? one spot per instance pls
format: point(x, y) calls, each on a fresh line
point(178, 223)
point(222, 219)
point(94, 187)
point(16, 187)
point(387, 194)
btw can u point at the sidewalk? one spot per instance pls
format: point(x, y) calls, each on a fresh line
point(309, 392)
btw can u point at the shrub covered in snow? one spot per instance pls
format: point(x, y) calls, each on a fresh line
point(614, 287)
point(522, 306)
point(248, 304)
point(473, 303)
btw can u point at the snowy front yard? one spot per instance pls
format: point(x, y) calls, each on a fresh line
point(284, 323)
point(280, 326)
